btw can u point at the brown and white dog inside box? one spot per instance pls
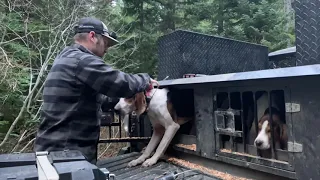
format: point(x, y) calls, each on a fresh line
point(168, 109)
point(263, 139)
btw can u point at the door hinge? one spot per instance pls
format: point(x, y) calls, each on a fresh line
point(292, 107)
point(294, 147)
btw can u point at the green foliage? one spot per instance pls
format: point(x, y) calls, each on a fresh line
point(14, 22)
point(260, 21)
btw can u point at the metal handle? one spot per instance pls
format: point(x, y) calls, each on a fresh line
point(113, 176)
point(45, 170)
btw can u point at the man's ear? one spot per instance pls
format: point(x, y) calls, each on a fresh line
point(140, 103)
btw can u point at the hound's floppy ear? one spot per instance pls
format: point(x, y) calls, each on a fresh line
point(140, 103)
point(283, 136)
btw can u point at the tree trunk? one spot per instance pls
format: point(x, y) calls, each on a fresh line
point(220, 17)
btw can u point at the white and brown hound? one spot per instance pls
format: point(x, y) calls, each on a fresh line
point(280, 137)
point(263, 138)
point(163, 117)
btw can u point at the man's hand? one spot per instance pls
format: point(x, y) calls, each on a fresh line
point(152, 83)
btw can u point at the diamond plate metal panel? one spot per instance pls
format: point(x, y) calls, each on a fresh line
point(307, 31)
point(118, 166)
point(282, 62)
point(183, 52)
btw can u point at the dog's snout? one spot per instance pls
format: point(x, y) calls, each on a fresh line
point(117, 107)
point(258, 143)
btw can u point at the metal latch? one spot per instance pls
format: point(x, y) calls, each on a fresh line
point(45, 169)
point(225, 122)
point(294, 147)
point(107, 173)
point(292, 107)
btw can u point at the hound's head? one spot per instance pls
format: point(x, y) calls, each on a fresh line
point(128, 105)
point(263, 140)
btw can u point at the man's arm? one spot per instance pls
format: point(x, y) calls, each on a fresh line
point(108, 81)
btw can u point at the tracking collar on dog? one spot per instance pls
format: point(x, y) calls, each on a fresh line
point(148, 99)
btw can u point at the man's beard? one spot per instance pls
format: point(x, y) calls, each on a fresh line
point(98, 47)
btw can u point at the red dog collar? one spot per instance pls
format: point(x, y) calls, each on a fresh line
point(148, 90)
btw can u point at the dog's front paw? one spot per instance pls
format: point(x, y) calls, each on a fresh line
point(149, 162)
point(135, 162)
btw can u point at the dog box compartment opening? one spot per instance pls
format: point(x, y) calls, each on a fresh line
point(183, 102)
point(239, 119)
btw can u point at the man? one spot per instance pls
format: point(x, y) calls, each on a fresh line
point(73, 89)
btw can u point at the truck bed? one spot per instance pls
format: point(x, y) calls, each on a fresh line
point(118, 166)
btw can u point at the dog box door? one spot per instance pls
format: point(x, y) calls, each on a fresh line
point(236, 112)
point(290, 108)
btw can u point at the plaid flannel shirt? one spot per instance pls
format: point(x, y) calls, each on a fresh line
point(72, 97)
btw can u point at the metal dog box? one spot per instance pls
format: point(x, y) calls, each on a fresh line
point(300, 104)
point(183, 52)
point(62, 165)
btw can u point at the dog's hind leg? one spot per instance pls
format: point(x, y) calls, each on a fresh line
point(154, 141)
point(171, 129)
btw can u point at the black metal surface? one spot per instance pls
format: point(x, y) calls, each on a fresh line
point(28, 172)
point(135, 125)
point(305, 127)
point(256, 89)
point(184, 52)
point(137, 137)
point(79, 170)
point(70, 165)
point(129, 139)
point(307, 28)
point(302, 125)
point(107, 118)
point(208, 138)
point(115, 124)
point(22, 159)
point(203, 101)
point(283, 58)
point(66, 156)
point(118, 166)
point(285, 51)
point(107, 110)
point(310, 70)
point(9, 160)
point(108, 113)
point(234, 166)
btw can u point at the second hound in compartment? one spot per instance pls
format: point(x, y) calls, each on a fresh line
point(168, 109)
point(263, 139)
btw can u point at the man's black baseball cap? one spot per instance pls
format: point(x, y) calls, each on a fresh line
point(88, 24)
